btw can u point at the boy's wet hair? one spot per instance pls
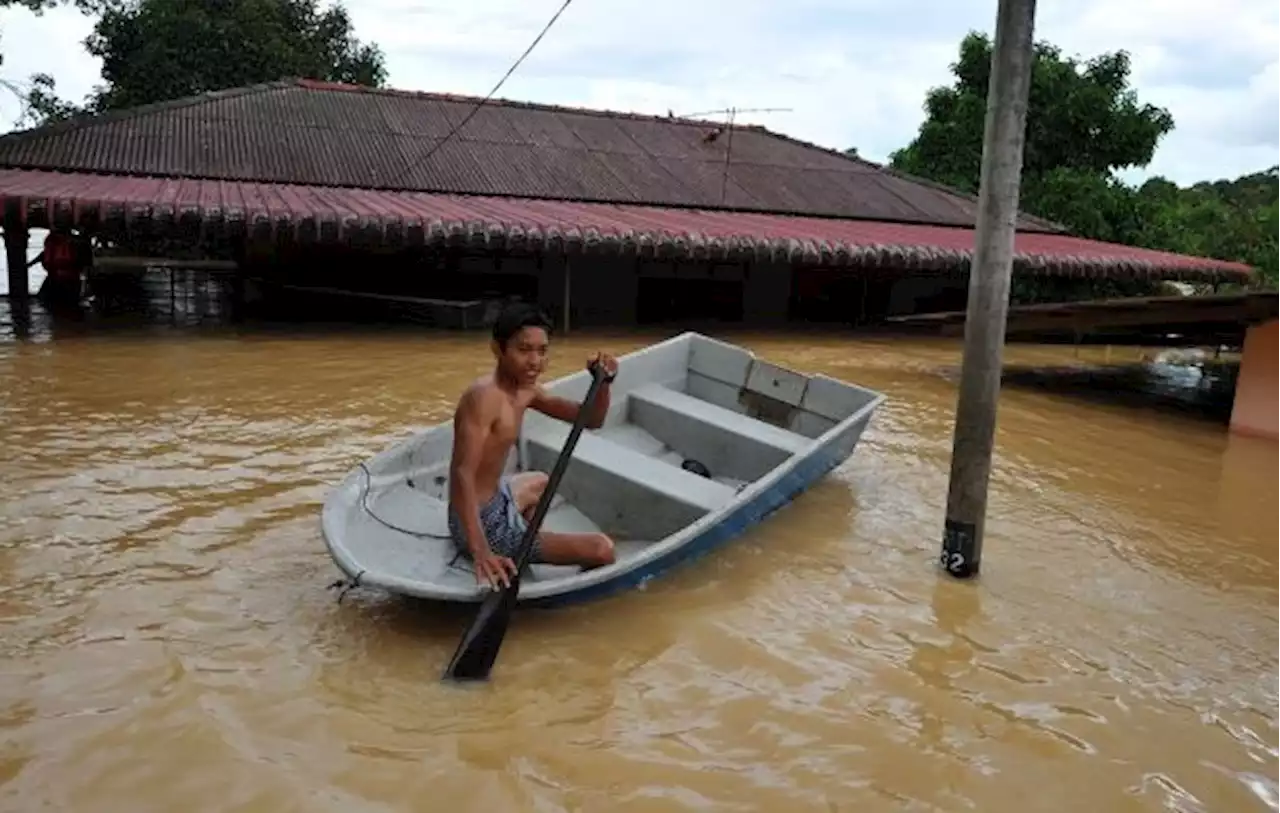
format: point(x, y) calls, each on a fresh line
point(515, 317)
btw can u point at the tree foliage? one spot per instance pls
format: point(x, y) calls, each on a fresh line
point(1084, 124)
point(41, 103)
point(157, 50)
point(1233, 220)
point(1080, 116)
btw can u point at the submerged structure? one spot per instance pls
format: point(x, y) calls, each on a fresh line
point(335, 196)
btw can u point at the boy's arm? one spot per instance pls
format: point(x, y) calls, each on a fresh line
point(471, 427)
point(557, 407)
point(567, 410)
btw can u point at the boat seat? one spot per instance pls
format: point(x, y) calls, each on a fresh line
point(728, 443)
point(628, 494)
point(607, 456)
point(709, 417)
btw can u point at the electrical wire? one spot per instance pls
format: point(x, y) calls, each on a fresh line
point(501, 81)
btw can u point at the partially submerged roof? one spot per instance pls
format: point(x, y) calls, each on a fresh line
point(312, 133)
point(316, 161)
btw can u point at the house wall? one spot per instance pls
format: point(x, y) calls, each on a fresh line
point(604, 290)
point(1255, 407)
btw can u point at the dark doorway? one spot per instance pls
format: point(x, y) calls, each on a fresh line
point(670, 299)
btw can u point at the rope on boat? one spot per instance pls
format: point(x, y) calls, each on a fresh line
point(344, 586)
point(364, 504)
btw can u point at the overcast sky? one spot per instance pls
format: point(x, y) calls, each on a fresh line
point(852, 72)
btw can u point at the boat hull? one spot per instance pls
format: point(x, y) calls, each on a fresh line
point(745, 515)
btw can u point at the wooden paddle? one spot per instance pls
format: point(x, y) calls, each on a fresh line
point(478, 649)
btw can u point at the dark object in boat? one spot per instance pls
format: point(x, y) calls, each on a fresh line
point(695, 467)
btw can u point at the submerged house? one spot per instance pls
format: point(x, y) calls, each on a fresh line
point(603, 217)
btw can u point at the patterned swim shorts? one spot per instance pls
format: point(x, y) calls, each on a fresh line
point(502, 522)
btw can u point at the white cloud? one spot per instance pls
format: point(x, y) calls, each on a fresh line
point(853, 73)
point(1213, 66)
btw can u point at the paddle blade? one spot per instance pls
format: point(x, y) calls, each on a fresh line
point(479, 646)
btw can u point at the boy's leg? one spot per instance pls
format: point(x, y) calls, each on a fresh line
point(586, 549)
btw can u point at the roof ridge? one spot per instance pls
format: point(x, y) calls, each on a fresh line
point(344, 87)
point(91, 119)
point(88, 120)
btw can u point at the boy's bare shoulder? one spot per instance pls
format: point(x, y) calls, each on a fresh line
point(480, 395)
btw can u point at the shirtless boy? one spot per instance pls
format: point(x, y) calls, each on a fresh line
point(489, 511)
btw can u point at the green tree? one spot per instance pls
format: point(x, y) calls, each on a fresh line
point(40, 102)
point(156, 50)
point(1084, 123)
point(1233, 220)
point(1080, 116)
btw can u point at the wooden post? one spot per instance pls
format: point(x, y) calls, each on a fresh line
point(989, 278)
point(16, 239)
point(565, 315)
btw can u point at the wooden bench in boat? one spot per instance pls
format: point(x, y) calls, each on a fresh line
point(727, 442)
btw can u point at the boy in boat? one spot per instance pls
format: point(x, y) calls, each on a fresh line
point(489, 511)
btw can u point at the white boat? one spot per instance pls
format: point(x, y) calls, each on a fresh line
point(764, 434)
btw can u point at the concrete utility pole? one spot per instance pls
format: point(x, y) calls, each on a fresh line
point(989, 276)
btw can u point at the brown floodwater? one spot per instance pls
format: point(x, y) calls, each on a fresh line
point(169, 642)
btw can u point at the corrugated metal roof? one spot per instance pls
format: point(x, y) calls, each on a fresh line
point(425, 218)
point(319, 134)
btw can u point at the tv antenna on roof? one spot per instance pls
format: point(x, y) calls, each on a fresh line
point(728, 147)
point(734, 110)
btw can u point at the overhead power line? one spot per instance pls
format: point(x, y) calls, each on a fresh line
point(501, 81)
